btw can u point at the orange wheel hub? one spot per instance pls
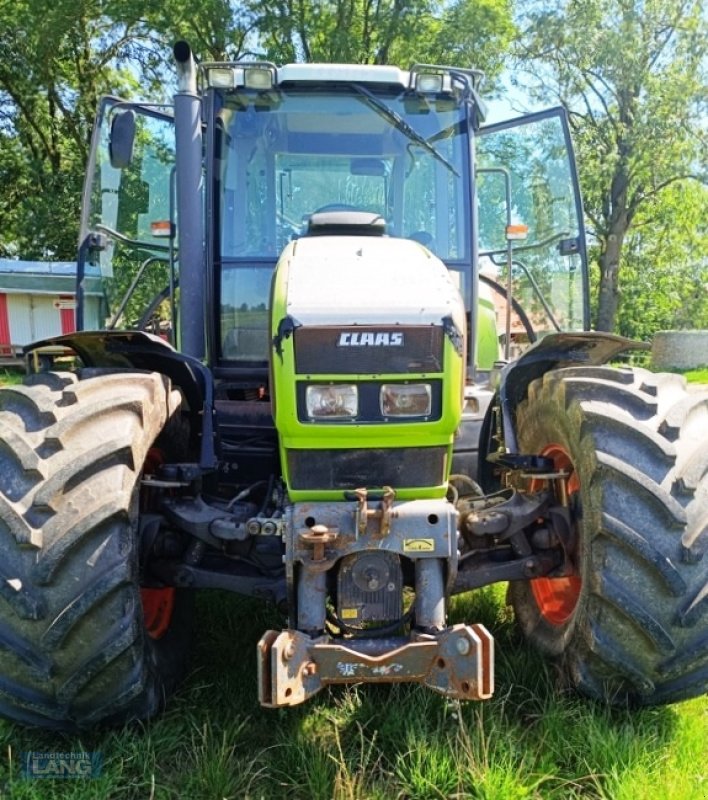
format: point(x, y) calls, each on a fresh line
point(557, 598)
point(158, 604)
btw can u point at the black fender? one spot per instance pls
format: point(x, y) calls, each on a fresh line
point(137, 350)
point(554, 351)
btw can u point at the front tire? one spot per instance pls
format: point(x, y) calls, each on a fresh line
point(74, 647)
point(632, 625)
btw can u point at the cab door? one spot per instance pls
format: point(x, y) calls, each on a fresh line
point(128, 222)
point(530, 231)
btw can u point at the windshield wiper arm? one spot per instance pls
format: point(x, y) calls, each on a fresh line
point(401, 125)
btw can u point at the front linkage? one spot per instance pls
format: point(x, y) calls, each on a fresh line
point(348, 565)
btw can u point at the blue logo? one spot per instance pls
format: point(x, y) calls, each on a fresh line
point(61, 765)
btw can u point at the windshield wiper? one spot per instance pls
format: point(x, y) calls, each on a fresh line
point(401, 125)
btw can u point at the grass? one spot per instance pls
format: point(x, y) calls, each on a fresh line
point(380, 742)
point(11, 376)
point(697, 375)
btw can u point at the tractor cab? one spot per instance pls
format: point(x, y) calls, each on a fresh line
point(498, 205)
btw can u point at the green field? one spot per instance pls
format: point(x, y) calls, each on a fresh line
point(533, 740)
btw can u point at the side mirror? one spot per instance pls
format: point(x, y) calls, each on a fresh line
point(122, 139)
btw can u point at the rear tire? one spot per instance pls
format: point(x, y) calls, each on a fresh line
point(74, 650)
point(633, 625)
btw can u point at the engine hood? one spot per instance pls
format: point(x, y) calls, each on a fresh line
point(357, 280)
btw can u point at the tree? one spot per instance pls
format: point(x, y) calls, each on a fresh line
point(467, 33)
point(629, 73)
point(57, 60)
point(665, 269)
point(217, 30)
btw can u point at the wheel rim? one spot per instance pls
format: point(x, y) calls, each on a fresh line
point(158, 603)
point(557, 598)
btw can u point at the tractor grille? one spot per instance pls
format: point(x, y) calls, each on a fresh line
point(368, 350)
point(404, 467)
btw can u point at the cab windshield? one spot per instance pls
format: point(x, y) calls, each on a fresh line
point(284, 155)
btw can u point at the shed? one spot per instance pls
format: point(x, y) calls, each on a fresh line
point(38, 299)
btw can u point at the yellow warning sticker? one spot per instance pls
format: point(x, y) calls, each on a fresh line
point(350, 613)
point(418, 545)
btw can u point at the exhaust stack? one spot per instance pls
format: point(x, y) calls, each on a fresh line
point(188, 137)
point(186, 68)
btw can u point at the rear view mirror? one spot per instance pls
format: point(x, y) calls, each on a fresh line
point(122, 139)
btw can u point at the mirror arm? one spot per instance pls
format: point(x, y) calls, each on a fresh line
point(523, 248)
point(163, 248)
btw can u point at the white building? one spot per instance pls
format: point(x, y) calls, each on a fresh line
point(38, 300)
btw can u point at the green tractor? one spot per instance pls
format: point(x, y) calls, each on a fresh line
point(344, 366)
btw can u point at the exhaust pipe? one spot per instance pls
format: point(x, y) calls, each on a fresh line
point(190, 218)
point(186, 68)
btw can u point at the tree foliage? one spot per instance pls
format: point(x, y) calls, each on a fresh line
point(217, 30)
point(57, 60)
point(629, 72)
point(464, 33)
point(665, 271)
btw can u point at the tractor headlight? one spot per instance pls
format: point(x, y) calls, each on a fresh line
point(333, 401)
point(405, 399)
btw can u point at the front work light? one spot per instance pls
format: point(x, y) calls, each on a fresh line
point(261, 78)
point(333, 401)
point(405, 399)
point(431, 82)
point(221, 77)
